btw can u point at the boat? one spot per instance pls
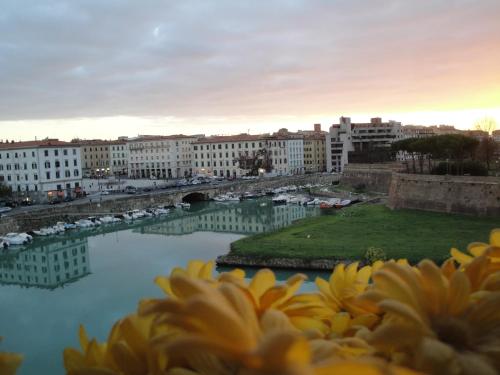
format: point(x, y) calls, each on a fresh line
point(248, 195)
point(183, 205)
point(343, 203)
point(70, 226)
point(280, 199)
point(84, 223)
point(325, 205)
point(44, 232)
point(4, 244)
point(313, 202)
point(16, 238)
point(161, 211)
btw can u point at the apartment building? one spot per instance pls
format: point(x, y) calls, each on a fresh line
point(118, 158)
point(422, 131)
point(226, 156)
point(287, 152)
point(348, 138)
point(41, 169)
point(314, 149)
point(156, 156)
point(95, 157)
point(48, 265)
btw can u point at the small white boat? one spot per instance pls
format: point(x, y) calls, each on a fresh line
point(49, 231)
point(183, 205)
point(137, 214)
point(84, 223)
point(108, 220)
point(280, 199)
point(314, 202)
point(343, 203)
point(69, 226)
point(16, 238)
point(161, 211)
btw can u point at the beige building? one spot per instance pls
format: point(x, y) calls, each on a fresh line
point(222, 155)
point(95, 157)
point(314, 149)
point(158, 156)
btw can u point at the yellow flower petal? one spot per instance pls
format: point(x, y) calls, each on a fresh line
point(9, 363)
point(262, 281)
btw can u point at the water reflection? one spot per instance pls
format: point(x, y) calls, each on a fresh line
point(243, 218)
point(48, 264)
point(56, 261)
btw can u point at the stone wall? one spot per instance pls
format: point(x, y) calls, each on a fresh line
point(478, 196)
point(375, 177)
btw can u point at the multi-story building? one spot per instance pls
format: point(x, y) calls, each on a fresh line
point(157, 156)
point(49, 265)
point(226, 156)
point(314, 149)
point(95, 157)
point(422, 131)
point(41, 169)
point(287, 152)
point(118, 157)
point(357, 139)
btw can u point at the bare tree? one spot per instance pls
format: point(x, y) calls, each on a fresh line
point(487, 124)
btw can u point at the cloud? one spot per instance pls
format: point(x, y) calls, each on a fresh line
point(193, 58)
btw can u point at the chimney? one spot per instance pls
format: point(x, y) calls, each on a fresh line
point(317, 128)
point(376, 120)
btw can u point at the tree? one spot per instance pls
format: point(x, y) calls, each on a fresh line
point(260, 160)
point(486, 124)
point(486, 150)
point(5, 191)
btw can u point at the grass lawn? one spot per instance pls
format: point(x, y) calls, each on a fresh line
point(349, 233)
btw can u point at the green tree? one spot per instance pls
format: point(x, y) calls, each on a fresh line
point(486, 124)
point(5, 191)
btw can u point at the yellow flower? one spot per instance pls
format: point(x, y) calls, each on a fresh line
point(476, 249)
point(199, 270)
point(343, 288)
point(127, 351)
point(432, 324)
point(9, 362)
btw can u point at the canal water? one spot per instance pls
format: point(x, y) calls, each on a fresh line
point(95, 277)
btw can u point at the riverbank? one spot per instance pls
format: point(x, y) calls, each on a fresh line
point(347, 235)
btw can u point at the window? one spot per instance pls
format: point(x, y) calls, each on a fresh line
point(58, 174)
point(58, 164)
point(35, 177)
point(66, 163)
point(75, 163)
point(56, 152)
point(76, 173)
point(67, 173)
point(47, 174)
point(47, 164)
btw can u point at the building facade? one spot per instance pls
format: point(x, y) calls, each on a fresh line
point(118, 158)
point(95, 157)
point(41, 170)
point(314, 150)
point(226, 156)
point(160, 157)
point(348, 138)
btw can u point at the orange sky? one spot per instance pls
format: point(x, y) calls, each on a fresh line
point(229, 67)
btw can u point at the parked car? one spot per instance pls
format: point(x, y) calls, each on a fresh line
point(130, 190)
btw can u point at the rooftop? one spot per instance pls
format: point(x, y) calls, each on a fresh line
point(36, 144)
point(230, 138)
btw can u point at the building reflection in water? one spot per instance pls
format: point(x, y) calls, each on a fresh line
point(48, 263)
point(236, 218)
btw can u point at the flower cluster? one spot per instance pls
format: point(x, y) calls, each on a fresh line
point(384, 318)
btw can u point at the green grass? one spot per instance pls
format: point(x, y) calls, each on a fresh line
point(349, 233)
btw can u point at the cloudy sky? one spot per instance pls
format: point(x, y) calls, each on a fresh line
point(99, 68)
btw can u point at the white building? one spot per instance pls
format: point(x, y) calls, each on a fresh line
point(287, 150)
point(118, 154)
point(160, 156)
point(41, 169)
point(224, 156)
point(358, 138)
